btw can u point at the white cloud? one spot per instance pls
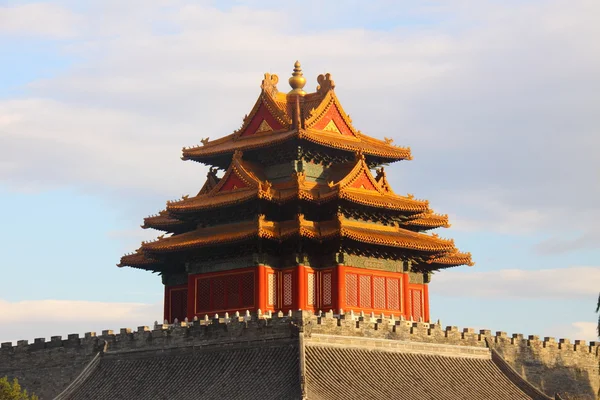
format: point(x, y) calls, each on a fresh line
point(566, 283)
point(562, 244)
point(581, 330)
point(39, 19)
point(94, 147)
point(45, 318)
point(497, 100)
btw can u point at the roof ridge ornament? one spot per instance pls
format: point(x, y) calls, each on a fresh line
point(237, 155)
point(359, 155)
point(297, 80)
point(269, 84)
point(325, 83)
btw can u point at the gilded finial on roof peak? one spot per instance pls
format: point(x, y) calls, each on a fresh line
point(297, 80)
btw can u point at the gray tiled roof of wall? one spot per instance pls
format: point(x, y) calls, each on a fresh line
point(352, 373)
point(271, 370)
point(257, 372)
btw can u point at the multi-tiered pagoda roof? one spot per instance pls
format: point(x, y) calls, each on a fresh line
point(319, 131)
point(300, 189)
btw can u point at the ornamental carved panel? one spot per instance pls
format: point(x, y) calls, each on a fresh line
point(379, 292)
point(272, 290)
point(365, 291)
point(327, 288)
point(417, 303)
point(393, 294)
point(310, 287)
point(287, 289)
point(352, 290)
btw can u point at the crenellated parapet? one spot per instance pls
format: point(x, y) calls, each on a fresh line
point(570, 368)
point(261, 326)
point(552, 365)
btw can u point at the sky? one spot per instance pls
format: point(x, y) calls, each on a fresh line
point(498, 100)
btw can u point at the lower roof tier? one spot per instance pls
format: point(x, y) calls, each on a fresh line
point(394, 238)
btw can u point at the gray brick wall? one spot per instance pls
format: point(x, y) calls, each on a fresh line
point(47, 367)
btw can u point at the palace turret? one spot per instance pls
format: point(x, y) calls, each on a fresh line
point(297, 219)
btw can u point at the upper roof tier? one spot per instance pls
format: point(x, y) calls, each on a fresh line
point(278, 117)
point(245, 181)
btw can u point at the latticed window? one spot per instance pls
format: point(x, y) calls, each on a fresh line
point(310, 287)
point(379, 292)
point(233, 292)
point(374, 292)
point(393, 293)
point(327, 289)
point(352, 290)
point(417, 306)
point(228, 292)
point(218, 293)
point(178, 304)
point(365, 291)
point(287, 289)
point(272, 289)
point(203, 294)
point(247, 287)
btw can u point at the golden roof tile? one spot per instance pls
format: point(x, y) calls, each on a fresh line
point(428, 220)
point(393, 236)
point(240, 183)
point(452, 259)
point(138, 260)
point(277, 111)
point(162, 221)
point(202, 237)
point(357, 186)
point(360, 231)
point(361, 187)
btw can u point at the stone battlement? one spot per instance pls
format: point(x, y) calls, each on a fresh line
point(563, 366)
point(270, 325)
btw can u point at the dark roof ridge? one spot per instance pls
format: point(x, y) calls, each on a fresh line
point(82, 377)
point(211, 346)
point(516, 378)
point(399, 346)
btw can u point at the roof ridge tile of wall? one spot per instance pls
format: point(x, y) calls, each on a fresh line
point(399, 346)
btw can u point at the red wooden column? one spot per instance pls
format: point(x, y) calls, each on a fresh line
point(340, 288)
point(426, 303)
point(301, 289)
point(406, 306)
point(262, 288)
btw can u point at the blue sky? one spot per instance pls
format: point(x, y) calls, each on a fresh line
point(498, 101)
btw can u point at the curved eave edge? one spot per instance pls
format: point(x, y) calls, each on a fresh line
point(206, 158)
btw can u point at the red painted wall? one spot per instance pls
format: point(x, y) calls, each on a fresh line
point(300, 287)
